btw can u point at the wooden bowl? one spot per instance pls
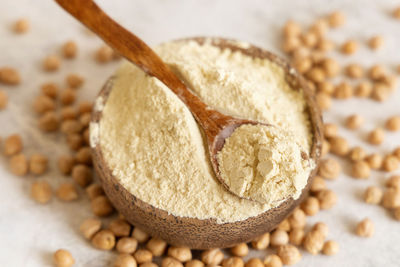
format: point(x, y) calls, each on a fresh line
point(192, 232)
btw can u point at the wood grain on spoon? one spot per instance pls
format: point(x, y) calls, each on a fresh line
point(216, 126)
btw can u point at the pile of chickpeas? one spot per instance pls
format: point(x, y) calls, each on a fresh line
point(58, 111)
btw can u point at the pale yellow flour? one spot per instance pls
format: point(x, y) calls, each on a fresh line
point(263, 163)
point(156, 149)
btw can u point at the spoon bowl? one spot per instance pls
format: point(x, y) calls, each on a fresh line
point(193, 232)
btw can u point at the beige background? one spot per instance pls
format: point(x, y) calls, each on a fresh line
point(29, 233)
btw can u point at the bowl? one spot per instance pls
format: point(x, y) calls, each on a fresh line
point(192, 232)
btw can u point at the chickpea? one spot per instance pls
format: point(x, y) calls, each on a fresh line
point(254, 262)
point(49, 122)
point(51, 63)
point(326, 87)
point(324, 101)
point(104, 54)
point(272, 261)
point(9, 76)
point(297, 219)
point(316, 74)
point(343, 91)
point(170, 262)
point(157, 246)
point(393, 181)
point(41, 192)
point(360, 169)
point(63, 258)
point(182, 254)
point(69, 50)
point(197, 263)
point(376, 136)
point(13, 145)
point(101, 206)
point(396, 214)
point(330, 248)
point(127, 245)
point(374, 161)
point(363, 89)
point(75, 141)
point(67, 192)
point(140, 235)
point(380, 92)
point(150, 264)
point(289, 254)
point(240, 250)
point(84, 156)
point(349, 47)
point(326, 147)
point(38, 164)
point(94, 190)
point(317, 184)
point(377, 72)
point(291, 43)
point(329, 169)
point(284, 225)
point(357, 153)
point(393, 124)
point(74, 80)
point(390, 163)
point(330, 130)
point(279, 238)
point(339, 146)
point(3, 99)
point(65, 164)
point(391, 198)
point(21, 26)
point(261, 242)
point(232, 262)
point(212, 256)
point(354, 122)
point(120, 227)
point(336, 19)
point(302, 65)
point(354, 71)
point(143, 255)
point(375, 42)
point(331, 67)
point(125, 260)
point(82, 175)
point(296, 236)
point(327, 199)
point(373, 195)
point(291, 28)
point(310, 206)
point(68, 97)
point(365, 228)
point(71, 127)
point(314, 242)
point(90, 227)
point(320, 227)
point(104, 240)
point(396, 153)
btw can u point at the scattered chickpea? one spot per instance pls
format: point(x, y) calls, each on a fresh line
point(85, 119)
point(84, 156)
point(291, 43)
point(143, 255)
point(71, 127)
point(330, 248)
point(391, 198)
point(310, 206)
point(289, 254)
point(65, 164)
point(390, 163)
point(104, 54)
point(339, 146)
point(393, 181)
point(51, 63)
point(365, 228)
point(101, 206)
point(74, 140)
point(377, 72)
point(212, 256)
point(240, 250)
point(19, 165)
point(127, 245)
point(354, 71)
point(279, 238)
point(302, 64)
point(393, 123)
point(360, 169)
point(336, 19)
point(140, 235)
point(321, 227)
point(272, 261)
point(90, 227)
point(396, 153)
point(327, 199)
point(329, 168)
point(82, 175)
point(375, 42)
point(170, 262)
point(41, 192)
point(12, 145)
point(343, 91)
point(104, 240)
point(284, 225)
point(326, 147)
point(326, 87)
point(21, 26)
point(331, 67)
point(318, 184)
point(330, 130)
point(68, 97)
point(182, 254)
point(3, 99)
point(50, 89)
point(157, 247)
point(85, 107)
point(69, 49)
point(363, 89)
point(291, 28)
point(49, 122)
point(68, 113)
point(296, 236)
point(373, 195)
point(38, 164)
point(9, 76)
point(354, 122)
point(120, 227)
point(232, 262)
point(43, 103)
point(261, 242)
point(198, 263)
point(152, 264)
point(375, 161)
point(316, 74)
point(390, 81)
point(357, 153)
point(314, 242)
point(380, 92)
point(67, 192)
point(254, 262)
point(297, 219)
point(396, 13)
point(376, 136)
point(63, 258)
point(125, 260)
point(396, 214)
point(94, 190)
point(349, 47)
point(74, 80)
point(324, 101)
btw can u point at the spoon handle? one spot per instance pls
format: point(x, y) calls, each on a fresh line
point(136, 51)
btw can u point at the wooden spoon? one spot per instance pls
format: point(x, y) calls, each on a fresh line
point(216, 126)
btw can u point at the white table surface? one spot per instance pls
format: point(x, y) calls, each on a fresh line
point(30, 233)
